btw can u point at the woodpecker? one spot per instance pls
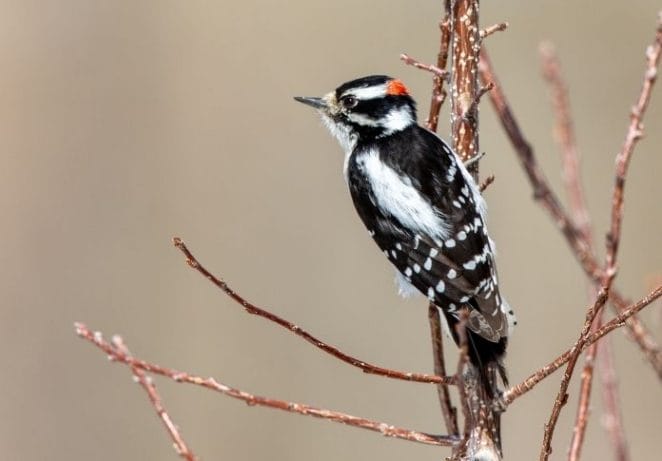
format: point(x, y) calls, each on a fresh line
point(423, 209)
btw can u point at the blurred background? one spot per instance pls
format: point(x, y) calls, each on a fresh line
point(126, 123)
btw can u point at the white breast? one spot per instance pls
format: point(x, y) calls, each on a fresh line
point(396, 196)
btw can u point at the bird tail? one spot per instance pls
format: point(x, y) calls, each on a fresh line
point(487, 357)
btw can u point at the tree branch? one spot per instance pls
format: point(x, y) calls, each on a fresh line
point(529, 383)
point(548, 200)
point(254, 310)
point(447, 409)
point(146, 382)
point(387, 430)
point(634, 133)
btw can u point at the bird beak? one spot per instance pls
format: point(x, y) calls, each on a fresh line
point(317, 103)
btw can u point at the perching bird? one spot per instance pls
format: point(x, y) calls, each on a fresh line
point(423, 210)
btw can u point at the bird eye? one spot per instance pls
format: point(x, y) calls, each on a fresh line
point(349, 102)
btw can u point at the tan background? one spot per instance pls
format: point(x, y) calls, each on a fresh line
point(124, 123)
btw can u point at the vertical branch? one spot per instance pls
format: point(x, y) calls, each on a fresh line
point(438, 92)
point(465, 51)
point(565, 135)
point(447, 408)
point(612, 420)
point(544, 195)
point(146, 383)
point(481, 439)
point(634, 133)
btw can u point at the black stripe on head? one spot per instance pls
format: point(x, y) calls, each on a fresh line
point(379, 107)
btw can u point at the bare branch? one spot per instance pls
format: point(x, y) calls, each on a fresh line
point(463, 359)
point(565, 135)
point(484, 33)
point(441, 73)
point(464, 58)
point(474, 106)
point(585, 388)
point(439, 93)
point(634, 133)
point(254, 310)
point(562, 395)
point(612, 420)
point(529, 383)
point(146, 382)
point(254, 400)
point(447, 409)
point(486, 183)
point(548, 200)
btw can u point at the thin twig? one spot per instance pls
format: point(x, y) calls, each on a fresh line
point(541, 190)
point(484, 33)
point(387, 430)
point(486, 183)
point(145, 381)
point(562, 395)
point(634, 133)
point(463, 359)
point(529, 383)
point(441, 73)
point(474, 104)
point(254, 310)
point(546, 197)
point(565, 136)
point(585, 388)
point(439, 93)
point(447, 409)
point(612, 420)
point(613, 237)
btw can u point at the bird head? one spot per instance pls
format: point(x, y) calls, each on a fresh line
point(365, 108)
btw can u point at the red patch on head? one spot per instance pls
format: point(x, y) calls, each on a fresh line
point(396, 88)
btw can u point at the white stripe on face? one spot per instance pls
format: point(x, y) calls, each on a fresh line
point(370, 92)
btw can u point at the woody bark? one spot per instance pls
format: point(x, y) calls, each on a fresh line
point(481, 430)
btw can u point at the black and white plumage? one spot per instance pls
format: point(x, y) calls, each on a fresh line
point(421, 207)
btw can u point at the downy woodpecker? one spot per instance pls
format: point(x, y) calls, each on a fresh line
point(423, 210)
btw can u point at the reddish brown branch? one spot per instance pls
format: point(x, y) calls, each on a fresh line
point(548, 200)
point(210, 383)
point(439, 93)
point(562, 395)
point(613, 238)
point(634, 133)
point(541, 190)
point(254, 310)
point(484, 33)
point(585, 388)
point(465, 46)
point(565, 135)
point(486, 183)
point(462, 361)
point(441, 73)
point(612, 420)
point(447, 409)
point(529, 383)
point(145, 381)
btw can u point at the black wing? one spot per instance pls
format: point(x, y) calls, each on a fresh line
point(453, 267)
